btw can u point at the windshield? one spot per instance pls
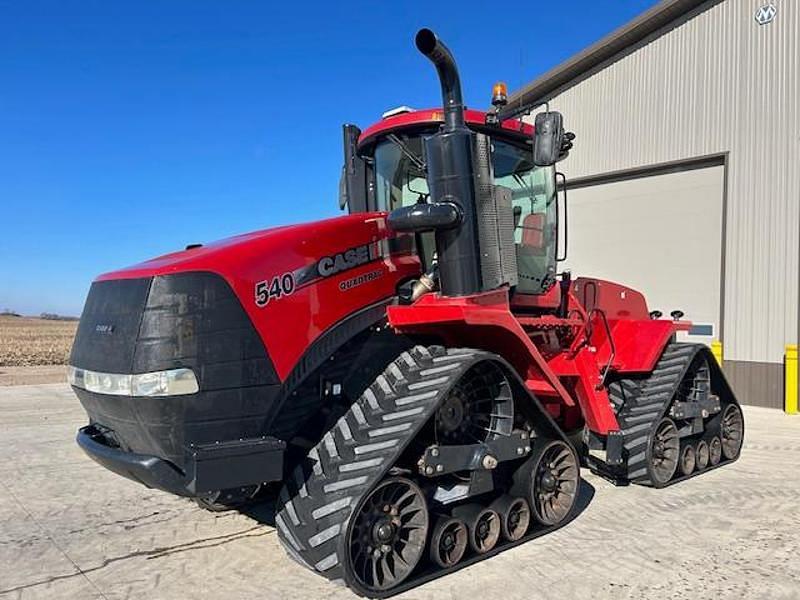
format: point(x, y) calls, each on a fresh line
point(400, 181)
point(400, 178)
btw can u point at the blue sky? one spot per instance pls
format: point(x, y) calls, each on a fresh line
point(129, 129)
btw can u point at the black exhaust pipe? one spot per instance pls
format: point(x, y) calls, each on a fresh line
point(445, 64)
point(451, 177)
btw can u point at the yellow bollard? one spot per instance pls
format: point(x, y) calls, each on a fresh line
point(716, 350)
point(790, 403)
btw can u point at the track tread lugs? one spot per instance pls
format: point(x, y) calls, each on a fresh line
point(311, 525)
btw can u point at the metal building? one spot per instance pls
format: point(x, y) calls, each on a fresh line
point(685, 179)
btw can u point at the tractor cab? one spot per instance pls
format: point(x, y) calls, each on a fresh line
point(391, 174)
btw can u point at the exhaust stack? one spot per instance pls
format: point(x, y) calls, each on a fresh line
point(445, 64)
point(451, 177)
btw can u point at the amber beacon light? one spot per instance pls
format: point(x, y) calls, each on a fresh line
point(499, 94)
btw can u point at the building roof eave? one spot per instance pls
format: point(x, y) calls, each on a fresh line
point(560, 77)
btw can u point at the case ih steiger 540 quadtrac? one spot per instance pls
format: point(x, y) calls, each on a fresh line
point(415, 378)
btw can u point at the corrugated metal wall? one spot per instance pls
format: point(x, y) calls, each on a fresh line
point(718, 82)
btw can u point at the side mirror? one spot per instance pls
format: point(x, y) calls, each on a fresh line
point(548, 138)
point(353, 186)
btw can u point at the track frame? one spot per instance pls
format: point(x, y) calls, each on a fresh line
point(643, 402)
point(315, 506)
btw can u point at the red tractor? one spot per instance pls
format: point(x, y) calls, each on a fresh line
point(416, 378)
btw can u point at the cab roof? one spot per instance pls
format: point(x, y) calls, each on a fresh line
point(433, 116)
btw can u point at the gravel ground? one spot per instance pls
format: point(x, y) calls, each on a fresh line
point(69, 529)
point(33, 375)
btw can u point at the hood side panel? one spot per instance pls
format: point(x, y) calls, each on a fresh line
point(194, 320)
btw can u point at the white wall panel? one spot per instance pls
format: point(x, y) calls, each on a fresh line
point(716, 83)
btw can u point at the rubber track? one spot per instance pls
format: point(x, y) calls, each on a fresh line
point(315, 504)
point(643, 403)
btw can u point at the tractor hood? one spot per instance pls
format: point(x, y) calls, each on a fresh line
point(290, 283)
point(217, 256)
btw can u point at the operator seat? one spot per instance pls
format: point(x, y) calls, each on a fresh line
point(533, 233)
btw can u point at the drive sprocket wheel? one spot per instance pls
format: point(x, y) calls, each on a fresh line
point(732, 431)
point(388, 534)
point(478, 408)
point(696, 384)
point(554, 483)
point(663, 452)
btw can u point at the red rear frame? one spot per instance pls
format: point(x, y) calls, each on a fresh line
point(613, 332)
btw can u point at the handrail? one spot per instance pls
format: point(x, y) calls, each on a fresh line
point(613, 354)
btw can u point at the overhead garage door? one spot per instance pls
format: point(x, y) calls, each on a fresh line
point(661, 235)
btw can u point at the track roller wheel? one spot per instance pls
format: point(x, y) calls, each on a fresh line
point(388, 534)
point(449, 541)
point(702, 455)
point(483, 524)
point(714, 451)
point(515, 516)
point(663, 452)
point(688, 459)
point(732, 431)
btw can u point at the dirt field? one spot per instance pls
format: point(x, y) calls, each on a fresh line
point(34, 350)
point(71, 529)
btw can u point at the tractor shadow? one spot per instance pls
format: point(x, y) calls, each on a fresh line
point(263, 510)
point(586, 493)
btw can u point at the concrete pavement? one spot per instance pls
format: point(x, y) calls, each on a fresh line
point(70, 529)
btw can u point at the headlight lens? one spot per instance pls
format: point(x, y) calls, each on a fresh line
point(174, 382)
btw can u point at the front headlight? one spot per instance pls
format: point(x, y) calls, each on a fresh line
point(174, 382)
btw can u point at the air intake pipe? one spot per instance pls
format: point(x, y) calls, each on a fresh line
point(451, 177)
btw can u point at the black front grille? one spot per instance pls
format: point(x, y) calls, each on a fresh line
point(109, 325)
point(190, 320)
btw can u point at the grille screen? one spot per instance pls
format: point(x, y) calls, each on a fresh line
point(495, 222)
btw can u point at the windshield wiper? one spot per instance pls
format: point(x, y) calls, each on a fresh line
point(418, 162)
